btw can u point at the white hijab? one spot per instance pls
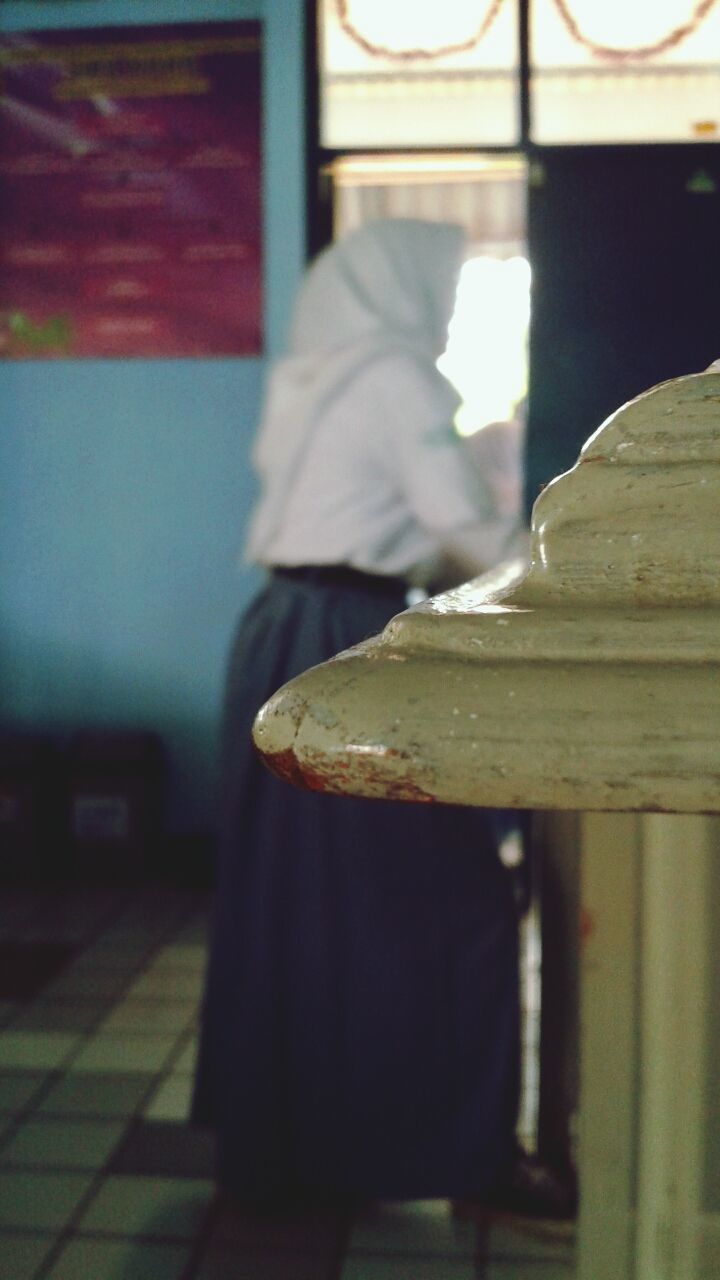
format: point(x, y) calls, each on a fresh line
point(386, 287)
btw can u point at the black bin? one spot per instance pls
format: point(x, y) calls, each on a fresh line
point(31, 828)
point(115, 805)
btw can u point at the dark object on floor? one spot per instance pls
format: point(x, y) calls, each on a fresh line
point(30, 810)
point(27, 967)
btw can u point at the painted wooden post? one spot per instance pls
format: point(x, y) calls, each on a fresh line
point(590, 683)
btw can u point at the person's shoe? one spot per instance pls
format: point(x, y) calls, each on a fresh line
point(532, 1190)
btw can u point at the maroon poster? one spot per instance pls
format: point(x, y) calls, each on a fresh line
point(130, 219)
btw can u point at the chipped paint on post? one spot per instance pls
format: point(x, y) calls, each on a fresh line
point(591, 682)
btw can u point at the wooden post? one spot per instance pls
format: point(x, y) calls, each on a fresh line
point(590, 682)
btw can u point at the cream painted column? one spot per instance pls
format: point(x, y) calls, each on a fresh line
point(676, 1238)
point(649, 1095)
point(609, 846)
point(589, 683)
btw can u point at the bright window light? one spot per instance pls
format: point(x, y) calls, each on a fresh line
point(486, 355)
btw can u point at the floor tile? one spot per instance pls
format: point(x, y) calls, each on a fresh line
point(141, 939)
point(184, 1063)
point(22, 1253)
point(44, 1201)
point(88, 983)
point(62, 1144)
point(313, 1233)
point(141, 936)
point(159, 1207)
point(149, 1015)
point(529, 1271)
point(398, 1267)
point(161, 1149)
point(107, 1094)
point(21, 908)
point(61, 914)
point(124, 1053)
point(414, 1226)
point(229, 1265)
point(196, 933)
point(106, 954)
point(35, 1048)
point(181, 956)
point(167, 984)
point(171, 1100)
point(524, 1239)
point(17, 1088)
point(151, 915)
point(27, 967)
point(119, 1260)
point(59, 1015)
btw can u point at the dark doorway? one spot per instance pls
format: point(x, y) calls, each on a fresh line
point(626, 282)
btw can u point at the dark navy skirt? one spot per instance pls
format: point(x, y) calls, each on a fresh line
point(360, 1023)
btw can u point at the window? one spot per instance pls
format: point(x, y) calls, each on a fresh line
point(625, 72)
point(486, 356)
point(409, 74)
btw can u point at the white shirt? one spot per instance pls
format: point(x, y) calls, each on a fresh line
point(357, 457)
point(380, 484)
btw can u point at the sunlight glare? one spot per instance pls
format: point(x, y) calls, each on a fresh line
point(486, 355)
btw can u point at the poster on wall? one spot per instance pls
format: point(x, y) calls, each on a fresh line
point(130, 211)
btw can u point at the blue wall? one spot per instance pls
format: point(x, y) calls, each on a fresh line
point(125, 486)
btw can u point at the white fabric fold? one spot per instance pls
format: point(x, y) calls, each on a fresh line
point(356, 453)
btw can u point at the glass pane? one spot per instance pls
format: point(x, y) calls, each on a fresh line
point(486, 355)
point(624, 72)
point(403, 75)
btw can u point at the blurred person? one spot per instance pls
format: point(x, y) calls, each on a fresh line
point(496, 452)
point(360, 1023)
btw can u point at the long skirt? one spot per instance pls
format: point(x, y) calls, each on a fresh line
point(360, 1023)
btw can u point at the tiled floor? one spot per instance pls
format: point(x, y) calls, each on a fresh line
point(100, 1176)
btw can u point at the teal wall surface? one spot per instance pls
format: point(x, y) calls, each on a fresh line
point(125, 486)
